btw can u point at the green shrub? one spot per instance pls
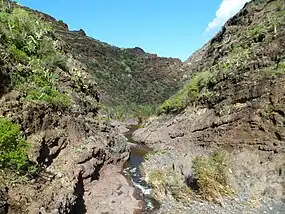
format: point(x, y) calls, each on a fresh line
point(49, 95)
point(274, 71)
point(281, 67)
point(192, 90)
point(259, 30)
point(19, 55)
point(129, 110)
point(142, 112)
point(211, 175)
point(13, 147)
point(237, 57)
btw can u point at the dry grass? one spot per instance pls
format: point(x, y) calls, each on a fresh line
point(211, 176)
point(166, 182)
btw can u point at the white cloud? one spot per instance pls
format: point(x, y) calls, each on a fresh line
point(227, 9)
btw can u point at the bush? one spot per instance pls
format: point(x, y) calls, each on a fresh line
point(49, 95)
point(143, 112)
point(195, 88)
point(13, 147)
point(275, 71)
point(19, 55)
point(211, 175)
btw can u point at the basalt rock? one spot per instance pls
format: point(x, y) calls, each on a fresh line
point(3, 200)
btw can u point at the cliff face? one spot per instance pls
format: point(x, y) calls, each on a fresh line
point(249, 46)
point(239, 76)
point(233, 101)
point(53, 144)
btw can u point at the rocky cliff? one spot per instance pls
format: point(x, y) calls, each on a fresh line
point(233, 102)
point(53, 144)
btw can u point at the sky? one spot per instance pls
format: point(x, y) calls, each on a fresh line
point(170, 28)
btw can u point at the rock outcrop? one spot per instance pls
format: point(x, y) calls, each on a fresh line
point(69, 144)
point(57, 110)
point(234, 101)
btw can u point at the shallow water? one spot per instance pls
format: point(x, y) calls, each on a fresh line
point(133, 173)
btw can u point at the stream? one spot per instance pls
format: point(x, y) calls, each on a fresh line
point(131, 170)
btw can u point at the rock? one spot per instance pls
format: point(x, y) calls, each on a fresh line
point(138, 51)
point(111, 194)
point(3, 200)
point(82, 32)
point(176, 133)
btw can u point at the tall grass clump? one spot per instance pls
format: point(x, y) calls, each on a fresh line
point(211, 176)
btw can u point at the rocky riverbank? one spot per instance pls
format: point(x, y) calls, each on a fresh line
point(112, 193)
point(219, 141)
point(256, 178)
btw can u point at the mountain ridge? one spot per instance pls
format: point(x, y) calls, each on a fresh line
point(127, 78)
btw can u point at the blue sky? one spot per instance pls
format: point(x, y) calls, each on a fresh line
point(172, 28)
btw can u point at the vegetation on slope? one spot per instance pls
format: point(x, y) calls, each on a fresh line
point(128, 79)
point(29, 62)
point(194, 90)
point(27, 44)
point(248, 47)
point(131, 110)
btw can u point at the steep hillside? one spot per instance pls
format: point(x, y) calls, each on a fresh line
point(126, 78)
point(125, 75)
point(233, 102)
point(53, 146)
point(249, 45)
